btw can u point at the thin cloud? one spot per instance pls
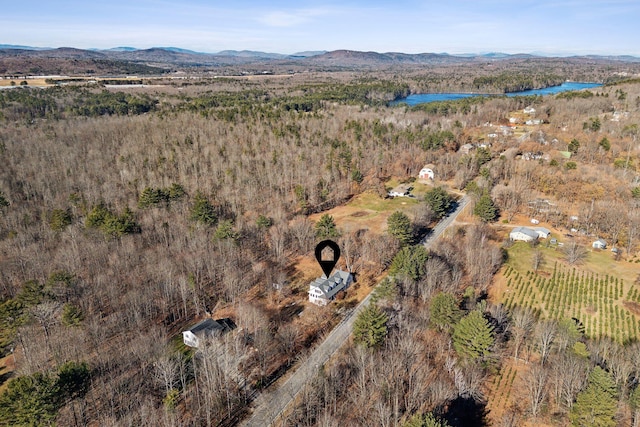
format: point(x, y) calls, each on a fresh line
point(291, 18)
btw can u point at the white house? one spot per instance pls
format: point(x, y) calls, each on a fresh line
point(523, 234)
point(204, 329)
point(400, 191)
point(529, 110)
point(324, 290)
point(599, 244)
point(543, 233)
point(426, 173)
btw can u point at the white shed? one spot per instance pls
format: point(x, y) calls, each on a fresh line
point(426, 173)
point(599, 244)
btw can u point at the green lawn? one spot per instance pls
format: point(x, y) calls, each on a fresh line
point(370, 201)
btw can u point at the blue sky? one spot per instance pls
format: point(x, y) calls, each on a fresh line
point(559, 27)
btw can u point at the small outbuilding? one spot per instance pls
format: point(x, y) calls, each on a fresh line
point(599, 244)
point(204, 329)
point(426, 173)
point(523, 234)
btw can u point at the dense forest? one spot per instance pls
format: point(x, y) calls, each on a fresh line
point(128, 214)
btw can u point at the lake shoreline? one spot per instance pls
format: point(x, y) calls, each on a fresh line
point(425, 98)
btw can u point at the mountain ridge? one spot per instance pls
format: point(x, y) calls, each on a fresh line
point(246, 53)
point(21, 60)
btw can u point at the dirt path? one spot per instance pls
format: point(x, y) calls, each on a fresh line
point(270, 405)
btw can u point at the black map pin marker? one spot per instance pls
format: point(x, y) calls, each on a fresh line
point(327, 262)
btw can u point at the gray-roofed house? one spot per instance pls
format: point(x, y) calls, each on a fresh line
point(543, 233)
point(523, 234)
point(402, 190)
point(599, 244)
point(205, 329)
point(324, 290)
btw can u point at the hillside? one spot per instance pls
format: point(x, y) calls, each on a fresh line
point(30, 61)
point(130, 212)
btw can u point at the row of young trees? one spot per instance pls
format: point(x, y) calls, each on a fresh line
point(599, 303)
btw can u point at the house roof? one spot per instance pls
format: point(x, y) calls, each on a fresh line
point(208, 324)
point(401, 189)
point(542, 230)
point(601, 241)
point(526, 231)
point(332, 285)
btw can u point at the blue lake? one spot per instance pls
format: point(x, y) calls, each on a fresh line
point(423, 98)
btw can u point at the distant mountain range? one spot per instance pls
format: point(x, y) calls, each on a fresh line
point(120, 49)
point(170, 57)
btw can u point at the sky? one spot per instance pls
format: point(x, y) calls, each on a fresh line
point(552, 27)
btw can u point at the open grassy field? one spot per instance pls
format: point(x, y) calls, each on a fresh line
point(600, 292)
point(369, 211)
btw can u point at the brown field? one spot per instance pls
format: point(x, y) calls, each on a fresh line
point(30, 82)
point(503, 392)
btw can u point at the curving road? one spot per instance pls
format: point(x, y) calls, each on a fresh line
point(270, 405)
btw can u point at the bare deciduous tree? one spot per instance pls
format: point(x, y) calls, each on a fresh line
point(536, 382)
point(522, 323)
point(545, 333)
point(570, 374)
point(166, 369)
point(537, 260)
point(574, 253)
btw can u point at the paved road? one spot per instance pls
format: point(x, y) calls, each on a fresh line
point(269, 405)
point(445, 222)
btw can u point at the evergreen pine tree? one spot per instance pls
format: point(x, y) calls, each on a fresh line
point(410, 262)
point(573, 146)
point(439, 201)
point(326, 227)
point(225, 231)
point(370, 327)
point(473, 336)
point(596, 405)
point(444, 311)
point(485, 208)
point(425, 420)
point(399, 226)
point(31, 400)
point(3, 201)
point(202, 210)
